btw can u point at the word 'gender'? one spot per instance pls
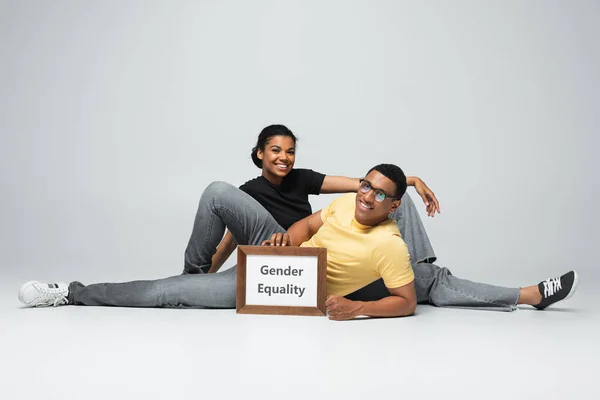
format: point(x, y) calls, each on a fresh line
point(265, 270)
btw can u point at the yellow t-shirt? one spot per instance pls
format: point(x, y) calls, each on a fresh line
point(357, 254)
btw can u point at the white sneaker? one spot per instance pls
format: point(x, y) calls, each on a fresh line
point(38, 294)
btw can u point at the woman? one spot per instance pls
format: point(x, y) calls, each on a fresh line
point(283, 191)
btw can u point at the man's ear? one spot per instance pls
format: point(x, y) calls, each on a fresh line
point(259, 154)
point(395, 205)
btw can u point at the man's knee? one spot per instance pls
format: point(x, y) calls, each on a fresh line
point(443, 272)
point(442, 294)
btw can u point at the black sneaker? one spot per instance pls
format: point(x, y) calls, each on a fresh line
point(557, 289)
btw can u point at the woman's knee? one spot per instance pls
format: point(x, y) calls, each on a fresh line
point(219, 193)
point(218, 189)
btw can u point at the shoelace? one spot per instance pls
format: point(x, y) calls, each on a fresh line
point(551, 286)
point(51, 299)
point(60, 301)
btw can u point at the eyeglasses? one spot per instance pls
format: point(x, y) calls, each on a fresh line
point(380, 195)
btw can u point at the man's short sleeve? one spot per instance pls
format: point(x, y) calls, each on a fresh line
point(328, 211)
point(393, 262)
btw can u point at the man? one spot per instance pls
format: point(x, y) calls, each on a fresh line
point(364, 250)
point(433, 285)
point(363, 245)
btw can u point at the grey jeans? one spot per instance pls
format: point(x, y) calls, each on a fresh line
point(223, 205)
point(435, 285)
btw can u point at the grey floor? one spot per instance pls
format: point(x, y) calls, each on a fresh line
point(98, 353)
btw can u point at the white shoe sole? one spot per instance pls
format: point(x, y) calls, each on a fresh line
point(574, 287)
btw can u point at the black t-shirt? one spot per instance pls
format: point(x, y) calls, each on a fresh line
point(287, 202)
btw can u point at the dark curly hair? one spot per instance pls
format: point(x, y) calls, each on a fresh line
point(395, 174)
point(263, 138)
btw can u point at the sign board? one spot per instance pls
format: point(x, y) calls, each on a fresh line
point(281, 280)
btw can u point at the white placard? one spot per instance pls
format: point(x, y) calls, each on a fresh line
point(278, 280)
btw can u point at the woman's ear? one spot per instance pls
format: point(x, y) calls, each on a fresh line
point(259, 154)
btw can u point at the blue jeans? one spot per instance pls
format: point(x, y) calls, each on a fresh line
point(223, 205)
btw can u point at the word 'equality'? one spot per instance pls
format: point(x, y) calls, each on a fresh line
point(287, 290)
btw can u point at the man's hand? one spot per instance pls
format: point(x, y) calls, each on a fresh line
point(341, 309)
point(278, 239)
point(431, 202)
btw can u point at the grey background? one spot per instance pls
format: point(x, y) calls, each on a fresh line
point(115, 115)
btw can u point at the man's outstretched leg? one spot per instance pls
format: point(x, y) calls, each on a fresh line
point(437, 286)
point(221, 205)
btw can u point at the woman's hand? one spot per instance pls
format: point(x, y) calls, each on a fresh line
point(431, 202)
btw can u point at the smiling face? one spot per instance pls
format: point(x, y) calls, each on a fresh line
point(369, 211)
point(277, 158)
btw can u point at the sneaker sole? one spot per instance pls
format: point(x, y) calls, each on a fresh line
point(574, 287)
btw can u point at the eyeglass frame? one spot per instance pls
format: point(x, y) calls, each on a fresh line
point(375, 191)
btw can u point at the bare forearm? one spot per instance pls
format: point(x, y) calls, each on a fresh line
point(412, 180)
point(392, 306)
point(224, 250)
point(299, 232)
point(304, 229)
point(339, 184)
